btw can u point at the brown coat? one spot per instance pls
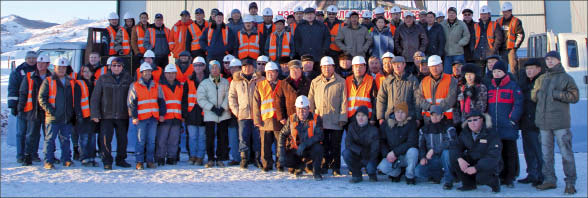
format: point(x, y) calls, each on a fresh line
point(271, 124)
point(287, 94)
point(240, 93)
point(328, 100)
point(134, 37)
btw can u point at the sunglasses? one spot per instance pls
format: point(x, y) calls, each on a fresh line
point(332, 14)
point(467, 14)
point(473, 120)
point(116, 65)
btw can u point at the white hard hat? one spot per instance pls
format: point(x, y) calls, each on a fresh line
point(43, 58)
point(379, 10)
point(262, 59)
point(484, 10)
point(440, 14)
point(279, 18)
point(388, 55)
point(506, 6)
point(113, 15)
point(332, 8)
point(170, 68)
point(358, 60)
point(395, 9)
point(327, 60)
point(267, 12)
point(228, 58)
point(149, 54)
point(434, 60)
point(199, 59)
point(298, 9)
point(408, 13)
point(145, 66)
point(235, 63)
point(127, 16)
point(366, 14)
point(301, 102)
point(62, 61)
point(271, 66)
point(109, 61)
point(248, 18)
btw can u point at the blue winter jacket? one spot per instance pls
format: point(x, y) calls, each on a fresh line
point(383, 42)
point(217, 49)
point(14, 82)
point(505, 106)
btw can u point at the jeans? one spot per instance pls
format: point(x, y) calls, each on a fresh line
point(33, 136)
point(234, 144)
point(533, 155)
point(355, 162)
point(146, 132)
point(564, 142)
point(21, 130)
point(197, 140)
point(168, 138)
point(447, 67)
point(409, 160)
point(249, 139)
point(438, 166)
point(87, 133)
point(54, 130)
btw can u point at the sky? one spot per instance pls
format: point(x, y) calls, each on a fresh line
point(58, 11)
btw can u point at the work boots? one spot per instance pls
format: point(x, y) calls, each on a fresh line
point(243, 163)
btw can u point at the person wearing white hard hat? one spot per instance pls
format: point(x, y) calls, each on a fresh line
point(261, 62)
point(163, 43)
point(122, 40)
point(440, 17)
point(156, 71)
point(302, 142)
point(298, 14)
point(396, 17)
point(249, 40)
point(514, 35)
point(427, 96)
point(266, 28)
point(327, 96)
point(265, 114)
point(379, 12)
point(398, 88)
point(234, 67)
point(360, 85)
point(314, 37)
point(410, 38)
point(56, 99)
point(387, 68)
point(110, 33)
point(29, 110)
point(226, 65)
point(486, 42)
point(354, 39)
point(366, 19)
point(109, 109)
point(217, 40)
point(212, 96)
point(279, 43)
point(334, 25)
point(168, 131)
point(457, 35)
point(146, 104)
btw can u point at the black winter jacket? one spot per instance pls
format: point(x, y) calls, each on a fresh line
point(63, 111)
point(311, 39)
point(484, 153)
point(109, 98)
point(37, 113)
point(436, 38)
point(398, 137)
point(363, 141)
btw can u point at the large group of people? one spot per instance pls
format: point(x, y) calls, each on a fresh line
point(437, 100)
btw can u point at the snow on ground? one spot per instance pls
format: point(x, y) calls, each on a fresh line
point(187, 180)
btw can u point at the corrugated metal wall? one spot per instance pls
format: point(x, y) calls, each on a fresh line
point(579, 16)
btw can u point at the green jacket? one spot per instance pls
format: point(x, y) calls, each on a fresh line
point(456, 37)
point(553, 92)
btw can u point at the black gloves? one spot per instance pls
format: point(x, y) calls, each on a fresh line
point(218, 111)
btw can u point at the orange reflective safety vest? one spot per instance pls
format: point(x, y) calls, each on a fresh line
point(293, 28)
point(286, 38)
point(268, 95)
point(248, 45)
point(147, 105)
point(440, 94)
point(334, 31)
point(100, 72)
point(179, 32)
point(173, 102)
point(392, 28)
point(29, 105)
point(358, 96)
point(184, 76)
point(512, 35)
point(73, 75)
point(53, 91)
point(379, 79)
point(155, 74)
point(140, 38)
point(196, 32)
point(225, 31)
point(489, 34)
point(125, 43)
point(261, 27)
point(192, 91)
point(85, 100)
point(152, 39)
point(294, 131)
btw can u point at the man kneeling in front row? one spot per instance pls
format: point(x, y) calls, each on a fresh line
point(300, 140)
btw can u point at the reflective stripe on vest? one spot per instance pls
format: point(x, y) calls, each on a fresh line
point(511, 36)
point(29, 104)
point(192, 90)
point(267, 96)
point(140, 38)
point(155, 74)
point(285, 45)
point(294, 131)
point(147, 105)
point(152, 38)
point(53, 91)
point(441, 92)
point(224, 31)
point(359, 96)
point(112, 34)
point(182, 77)
point(126, 45)
point(196, 32)
point(73, 75)
point(248, 46)
point(489, 34)
point(85, 100)
point(173, 102)
point(334, 31)
point(261, 28)
point(100, 72)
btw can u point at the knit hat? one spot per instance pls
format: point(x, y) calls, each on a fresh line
point(553, 54)
point(401, 106)
point(470, 68)
point(500, 65)
point(534, 62)
point(252, 5)
point(307, 57)
point(362, 109)
point(474, 113)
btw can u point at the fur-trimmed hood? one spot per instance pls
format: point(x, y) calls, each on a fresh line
point(487, 120)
